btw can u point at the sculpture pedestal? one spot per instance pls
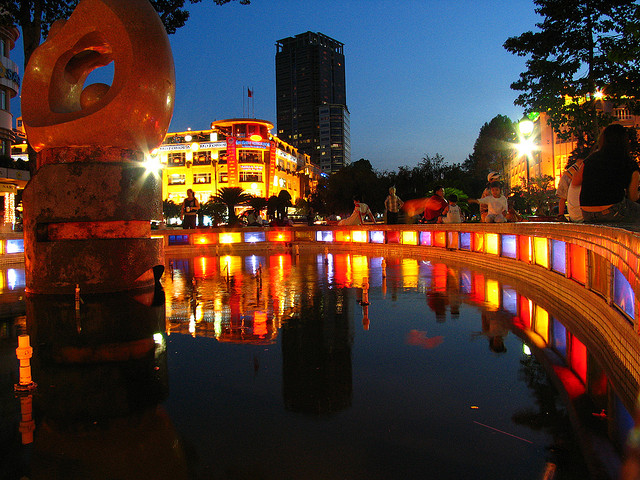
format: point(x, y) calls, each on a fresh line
point(87, 223)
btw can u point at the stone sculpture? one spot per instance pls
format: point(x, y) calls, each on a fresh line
point(88, 208)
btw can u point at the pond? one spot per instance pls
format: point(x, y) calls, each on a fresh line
point(312, 366)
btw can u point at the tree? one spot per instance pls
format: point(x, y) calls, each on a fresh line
point(35, 17)
point(231, 197)
point(568, 59)
point(493, 149)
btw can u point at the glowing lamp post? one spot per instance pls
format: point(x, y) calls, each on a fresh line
point(526, 146)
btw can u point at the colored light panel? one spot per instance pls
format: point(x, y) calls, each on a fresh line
point(525, 313)
point(439, 239)
point(230, 237)
point(15, 245)
point(510, 300)
point(409, 268)
point(452, 240)
point(204, 239)
point(15, 279)
point(541, 323)
point(524, 249)
point(393, 236)
point(306, 235)
point(425, 238)
point(558, 256)
point(464, 242)
point(509, 246)
point(478, 242)
point(492, 294)
point(578, 362)
point(559, 338)
point(376, 236)
point(623, 295)
point(178, 240)
point(279, 236)
point(492, 243)
point(254, 237)
point(359, 236)
point(409, 237)
point(578, 263)
point(343, 236)
point(324, 236)
point(541, 251)
point(466, 285)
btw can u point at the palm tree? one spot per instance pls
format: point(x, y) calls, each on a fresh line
point(232, 196)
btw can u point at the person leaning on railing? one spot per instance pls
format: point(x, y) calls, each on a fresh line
point(610, 179)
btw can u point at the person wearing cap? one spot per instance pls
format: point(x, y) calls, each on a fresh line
point(491, 178)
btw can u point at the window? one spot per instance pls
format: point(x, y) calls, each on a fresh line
point(176, 179)
point(177, 159)
point(224, 178)
point(250, 156)
point(251, 177)
point(202, 158)
point(3, 100)
point(201, 178)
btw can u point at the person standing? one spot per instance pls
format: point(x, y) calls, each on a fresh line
point(392, 205)
point(610, 179)
point(189, 212)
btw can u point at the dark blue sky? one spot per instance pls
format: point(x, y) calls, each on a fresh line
point(422, 75)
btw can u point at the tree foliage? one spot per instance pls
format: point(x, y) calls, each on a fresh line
point(493, 149)
point(232, 197)
point(577, 49)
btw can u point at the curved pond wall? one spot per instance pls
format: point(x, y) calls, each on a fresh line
point(591, 270)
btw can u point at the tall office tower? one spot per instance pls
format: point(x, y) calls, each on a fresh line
point(311, 99)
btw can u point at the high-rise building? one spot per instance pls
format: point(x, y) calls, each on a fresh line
point(311, 99)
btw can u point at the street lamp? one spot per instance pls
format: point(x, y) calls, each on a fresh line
point(526, 146)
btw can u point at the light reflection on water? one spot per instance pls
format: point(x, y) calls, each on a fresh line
point(281, 366)
point(297, 377)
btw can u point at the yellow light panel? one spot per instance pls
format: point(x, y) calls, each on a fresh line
point(409, 237)
point(359, 236)
point(541, 251)
point(491, 245)
point(230, 237)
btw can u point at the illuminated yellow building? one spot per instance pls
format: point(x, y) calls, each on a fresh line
point(11, 178)
point(549, 154)
point(233, 153)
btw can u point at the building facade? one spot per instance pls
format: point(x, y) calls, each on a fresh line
point(233, 153)
point(549, 155)
point(311, 99)
point(11, 179)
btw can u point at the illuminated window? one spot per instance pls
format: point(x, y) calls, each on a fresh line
point(175, 179)
point(201, 178)
point(251, 177)
point(202, 158)
point(250, 156)
point(177, 159)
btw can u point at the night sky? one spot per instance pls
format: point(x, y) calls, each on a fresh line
point(422, 76)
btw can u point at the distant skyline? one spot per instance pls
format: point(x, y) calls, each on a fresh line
point(422, 76)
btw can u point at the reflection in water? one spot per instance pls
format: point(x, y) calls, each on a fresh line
point(102, 376)
point(313, 366)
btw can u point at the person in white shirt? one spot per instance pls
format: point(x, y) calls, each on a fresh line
point(453, 212)
point(496, 203)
